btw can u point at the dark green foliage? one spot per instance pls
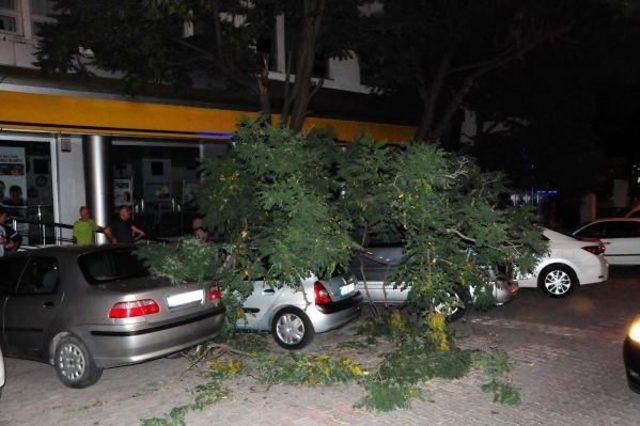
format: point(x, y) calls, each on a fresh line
point(190, 261)
point(206, 395)
point(388, 395)
point(305, 370)
point(271, 200)
point(496, 364)
point(414, 361)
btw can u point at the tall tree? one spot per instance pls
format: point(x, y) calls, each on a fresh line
point(178, 41)
point(445, 48)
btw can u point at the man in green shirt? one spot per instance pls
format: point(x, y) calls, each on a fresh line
point(84, 230)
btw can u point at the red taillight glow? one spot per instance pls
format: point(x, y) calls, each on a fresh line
point(135, 308)
point(594, 249)
point(322, 294)
point(214, 293)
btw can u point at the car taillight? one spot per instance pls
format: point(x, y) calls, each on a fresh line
point(135, 308)
point(214, 293)
point(594, 249)
point(322, 294)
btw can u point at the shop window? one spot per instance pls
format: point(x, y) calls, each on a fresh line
point(9, 16)
point(26, 190)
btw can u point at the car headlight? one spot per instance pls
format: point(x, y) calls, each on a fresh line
point(634, 330)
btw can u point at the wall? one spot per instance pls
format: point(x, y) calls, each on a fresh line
point(71, 188)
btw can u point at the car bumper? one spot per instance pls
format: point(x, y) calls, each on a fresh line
point(594, 273)
point(336, 314)
point(631, 355)
point(1, 371)
point(115, 346)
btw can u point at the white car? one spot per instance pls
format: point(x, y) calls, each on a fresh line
point(570, 262)
point(621, 237)
point(1, 373)
point(295, 315)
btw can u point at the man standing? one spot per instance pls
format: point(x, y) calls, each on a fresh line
point(9, 239)
point(84, 230)
point(122, 230)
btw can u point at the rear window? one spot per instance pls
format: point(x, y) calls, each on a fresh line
point(111, 265)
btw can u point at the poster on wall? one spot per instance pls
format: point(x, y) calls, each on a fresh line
point(13, 186)
point(13, 180)
point(123, 192)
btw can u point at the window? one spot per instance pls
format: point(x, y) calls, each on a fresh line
point(10, 269)
point(9, 16)
point(592, 231)
point(320, 63)
point(41, 11)
point(111, 265)
point(40, 277)
point(622, 230)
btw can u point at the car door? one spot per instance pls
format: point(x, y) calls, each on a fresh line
point(30, 311)
point(622, 242)
point(11, 268)
point(257, 305)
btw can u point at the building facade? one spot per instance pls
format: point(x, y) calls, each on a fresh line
point(65, 143)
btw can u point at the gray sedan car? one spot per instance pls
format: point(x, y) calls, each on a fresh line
point(83, 309)
point(375, 266)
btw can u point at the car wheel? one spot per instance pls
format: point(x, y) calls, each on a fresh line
point(74, 364)
point(292, 329)
point(456, 309)
point(557, 280)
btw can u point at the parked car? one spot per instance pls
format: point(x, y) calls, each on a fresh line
point(374, 266)
point(84, 309)
point(631, 355)
point(570, 262)
point(1, 373)
point(295, 315)
point(631, 212)
point(621, 237)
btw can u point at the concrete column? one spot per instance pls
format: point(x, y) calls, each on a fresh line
point(98, 179)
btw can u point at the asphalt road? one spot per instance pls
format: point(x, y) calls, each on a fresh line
point(568, 367)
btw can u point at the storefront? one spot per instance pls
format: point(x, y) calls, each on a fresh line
point(65, 150)
point(27, 173)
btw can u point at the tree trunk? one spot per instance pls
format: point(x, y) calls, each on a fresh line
point(430, 97)
point(263, 90)
point(297, 104)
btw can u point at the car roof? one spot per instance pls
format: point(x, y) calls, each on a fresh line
point(615, 219)
point(74, 250)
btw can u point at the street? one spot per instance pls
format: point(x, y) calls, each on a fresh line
point(568, 367)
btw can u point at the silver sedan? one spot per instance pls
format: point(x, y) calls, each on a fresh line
point(376, 265)
point(83, 309)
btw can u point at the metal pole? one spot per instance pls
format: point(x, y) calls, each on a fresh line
point(99, 183)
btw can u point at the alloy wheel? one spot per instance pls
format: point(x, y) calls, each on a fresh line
point(71, 362)
point(557, 282)
point(290, 329)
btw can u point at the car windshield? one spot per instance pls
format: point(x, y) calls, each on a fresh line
point(111, 265)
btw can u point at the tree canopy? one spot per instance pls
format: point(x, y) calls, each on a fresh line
point(447, 49)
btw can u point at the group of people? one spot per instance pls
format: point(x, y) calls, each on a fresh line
point(121, 230)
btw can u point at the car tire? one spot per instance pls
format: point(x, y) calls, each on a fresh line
point(74, 364)
point(459, 311)
point(292, 329)
point(557, 280)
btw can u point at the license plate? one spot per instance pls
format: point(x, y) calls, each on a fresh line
point(185, 298)
point(346, 289)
